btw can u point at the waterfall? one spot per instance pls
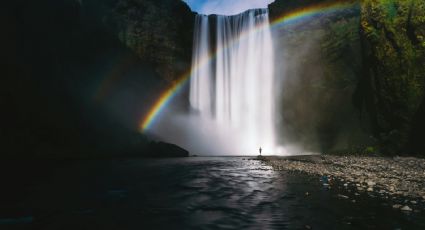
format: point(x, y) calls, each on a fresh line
point(235, 89)
point(201, 82)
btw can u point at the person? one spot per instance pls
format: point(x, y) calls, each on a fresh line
point(260, 150)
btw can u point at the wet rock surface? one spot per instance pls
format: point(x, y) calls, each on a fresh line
point(396, 179)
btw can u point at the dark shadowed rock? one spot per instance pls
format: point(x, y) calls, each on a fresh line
point(77, 80)
point(162, 149)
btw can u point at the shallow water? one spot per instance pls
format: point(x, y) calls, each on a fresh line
point(197, 193)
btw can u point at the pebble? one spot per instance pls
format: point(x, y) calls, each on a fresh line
point(406, 208)
point(399, 177)
point(371, 183)
point(342, 196)
point(397, 206)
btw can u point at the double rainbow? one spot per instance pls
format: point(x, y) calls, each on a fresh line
point(293, 17)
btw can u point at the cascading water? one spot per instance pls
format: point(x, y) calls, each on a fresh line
point(235, 91)
point(201, 82)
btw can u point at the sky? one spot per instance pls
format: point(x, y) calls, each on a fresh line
point(225, 7)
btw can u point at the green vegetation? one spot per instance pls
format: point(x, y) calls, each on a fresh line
point(372, 59)
point(392, 85)
point(354, 81)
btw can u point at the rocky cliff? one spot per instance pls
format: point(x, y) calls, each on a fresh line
point(80, 75)
point(365, 70)
point(391, 88)
point(159, 32)
point(344, 76)
point(318, 63)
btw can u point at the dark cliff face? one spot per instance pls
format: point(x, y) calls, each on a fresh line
point(158, 31)
point(280, 7)
point(318, 62)
point(72, 86)
point(392, 85)
point(79, 75)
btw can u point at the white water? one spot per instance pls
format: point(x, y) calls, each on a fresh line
point(234, 92)
point(201, 82)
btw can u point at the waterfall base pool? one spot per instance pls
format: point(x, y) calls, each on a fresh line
point(184, 193)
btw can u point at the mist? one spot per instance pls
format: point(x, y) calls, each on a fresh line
point(315, 84)
point(312, 96)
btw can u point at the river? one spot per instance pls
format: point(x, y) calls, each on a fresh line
point(187, 193)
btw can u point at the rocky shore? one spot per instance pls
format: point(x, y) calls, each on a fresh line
point(399, 179)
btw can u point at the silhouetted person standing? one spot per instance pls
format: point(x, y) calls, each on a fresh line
point(260, 150)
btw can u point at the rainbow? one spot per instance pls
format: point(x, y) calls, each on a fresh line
point(163, 101)
point(286, 19)
point(312, 11)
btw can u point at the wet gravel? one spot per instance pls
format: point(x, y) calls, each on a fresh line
point(400, 179)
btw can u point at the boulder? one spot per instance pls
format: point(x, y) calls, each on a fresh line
point(406, 208)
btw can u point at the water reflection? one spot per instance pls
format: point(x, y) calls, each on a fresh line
point(196, 193)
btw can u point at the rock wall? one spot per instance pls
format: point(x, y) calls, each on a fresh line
point(158, 31)
point(366, 67)
point(75, 84)
point(318, 63)
point(350, 74)
point(391, 87)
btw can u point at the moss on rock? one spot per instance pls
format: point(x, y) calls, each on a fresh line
point(392, 84)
